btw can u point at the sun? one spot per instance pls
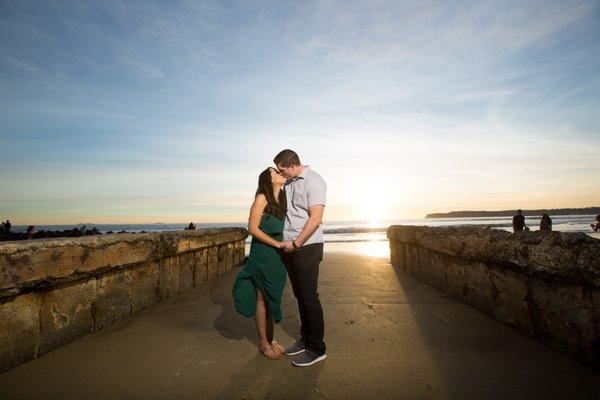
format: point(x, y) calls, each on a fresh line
point(373, 218)
point(373, 204)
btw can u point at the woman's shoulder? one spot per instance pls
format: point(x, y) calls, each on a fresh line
point(260, 200)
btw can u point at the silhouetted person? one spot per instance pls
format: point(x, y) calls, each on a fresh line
point(191, 227)
point(546, 223)
point(7, 226)
point(82, 231)
point(30, 232)
point(596, 226)
point(518, 222)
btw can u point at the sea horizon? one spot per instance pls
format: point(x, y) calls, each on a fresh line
point(346, 231)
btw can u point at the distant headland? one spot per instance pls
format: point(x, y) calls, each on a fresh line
point(510, 213)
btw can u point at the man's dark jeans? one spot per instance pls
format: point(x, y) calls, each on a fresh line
point(303, 269)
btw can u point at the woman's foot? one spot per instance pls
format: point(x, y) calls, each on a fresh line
point(269, 352)
point(280, 351)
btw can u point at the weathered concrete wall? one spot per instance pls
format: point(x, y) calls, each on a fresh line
point(52, 291)
point(543, 284)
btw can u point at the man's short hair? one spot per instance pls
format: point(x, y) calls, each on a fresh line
point(287, 158)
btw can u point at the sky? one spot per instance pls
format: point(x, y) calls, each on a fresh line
point(153, 111)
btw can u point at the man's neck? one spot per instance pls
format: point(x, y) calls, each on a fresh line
point(300, 170)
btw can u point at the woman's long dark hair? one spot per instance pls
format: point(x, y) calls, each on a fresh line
point(265, 186)
point(546, 217)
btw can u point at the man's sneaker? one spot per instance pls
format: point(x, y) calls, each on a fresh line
point(295, 348)
point(308, 358)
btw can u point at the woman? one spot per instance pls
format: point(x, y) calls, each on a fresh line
point(545, 223)
point(259, 285)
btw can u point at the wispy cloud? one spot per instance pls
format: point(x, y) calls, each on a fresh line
point(179, 106)
point(14, 62)
point(384, 32)
point(143, 69)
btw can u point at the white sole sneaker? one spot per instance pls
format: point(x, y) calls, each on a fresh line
point(294, 353)
point(316, 360)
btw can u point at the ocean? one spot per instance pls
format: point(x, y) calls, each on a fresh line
point(358, 231)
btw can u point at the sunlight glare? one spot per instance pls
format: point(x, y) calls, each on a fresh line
point(379, 248)
point(372, 200)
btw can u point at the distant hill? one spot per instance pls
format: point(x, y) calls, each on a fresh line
point(510, 213)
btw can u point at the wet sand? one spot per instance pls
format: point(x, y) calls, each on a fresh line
point(388, 336)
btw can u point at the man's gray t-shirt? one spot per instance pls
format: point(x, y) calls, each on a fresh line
point(305, 191)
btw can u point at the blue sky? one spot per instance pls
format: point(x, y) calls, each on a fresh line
point(167, 111)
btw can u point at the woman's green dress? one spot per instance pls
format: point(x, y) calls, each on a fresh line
point(263, 270)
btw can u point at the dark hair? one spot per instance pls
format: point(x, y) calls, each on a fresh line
point(265, 186)
point(545, 217)
point(286, 158)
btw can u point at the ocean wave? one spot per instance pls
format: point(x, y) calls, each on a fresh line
point(354, 229)
point(355, 240)
point(358, 229)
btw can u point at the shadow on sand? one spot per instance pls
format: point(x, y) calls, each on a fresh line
point(232, 325)
point(260, 377)
point(478, 357)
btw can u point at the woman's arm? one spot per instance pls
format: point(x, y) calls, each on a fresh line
point(256, 212)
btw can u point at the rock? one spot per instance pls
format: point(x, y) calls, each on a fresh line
point(568, 257)
point(53, 291)
point(543, 284)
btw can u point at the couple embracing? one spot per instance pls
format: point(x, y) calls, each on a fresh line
point(285, 224)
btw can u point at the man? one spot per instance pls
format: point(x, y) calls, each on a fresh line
point(303, 239)
point(518, 222)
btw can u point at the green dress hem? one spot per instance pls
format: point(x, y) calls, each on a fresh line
point(264, 271)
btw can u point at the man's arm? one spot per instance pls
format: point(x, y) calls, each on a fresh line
point(315, 195)
point(315, 217)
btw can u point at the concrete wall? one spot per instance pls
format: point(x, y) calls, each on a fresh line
point(543, 284)
point(52, 291)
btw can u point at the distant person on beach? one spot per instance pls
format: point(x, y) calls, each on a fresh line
point(259, 285)
point(546, 223)
point(518, 222)
point(191, 227)
point(30, 232)
point(596, 226)
point(82, 231)
point(7, 226)
point(303, 234)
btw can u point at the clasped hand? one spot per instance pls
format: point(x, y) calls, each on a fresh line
point(287, 247)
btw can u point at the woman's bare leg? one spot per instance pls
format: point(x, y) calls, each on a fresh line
point(261, 320)
point(270, 325)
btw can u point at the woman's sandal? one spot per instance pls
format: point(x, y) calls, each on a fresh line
point(278, 349)
point(269, 352)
